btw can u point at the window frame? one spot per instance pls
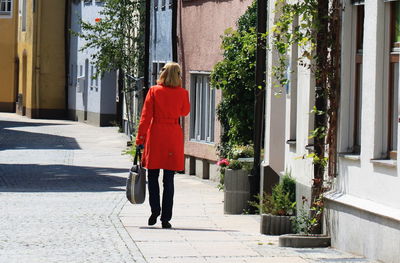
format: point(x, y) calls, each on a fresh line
point(156, 5)
point(357, 84)
point(394, 57)
point(202, 131)
point(5, 13)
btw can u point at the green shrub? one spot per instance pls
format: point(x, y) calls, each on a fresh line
point(235, 165)
point(281, 201)
point(246, 151)
point(289, 186)
point(235, 76)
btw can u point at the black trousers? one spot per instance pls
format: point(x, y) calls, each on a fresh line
point(168, 193)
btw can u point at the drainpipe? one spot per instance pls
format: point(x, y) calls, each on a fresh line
point(259, 94)
point(146, 50)
point(67, 26)
point(174, 30)
point(37, 66)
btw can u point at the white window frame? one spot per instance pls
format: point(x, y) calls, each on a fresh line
point(202, 116)
point(6, 13)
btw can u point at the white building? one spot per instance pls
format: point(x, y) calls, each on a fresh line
point(363, 209)
point(91, 100)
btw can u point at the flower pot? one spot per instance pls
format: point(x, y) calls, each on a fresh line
point(275, 225)
point(236, 191)
point(304, 241)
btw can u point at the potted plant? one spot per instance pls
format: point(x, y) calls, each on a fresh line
point(236, 188)
point(305, 224)
point(278, 208)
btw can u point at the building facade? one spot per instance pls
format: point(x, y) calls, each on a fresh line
point(91, 97)
point(200, 27)
point(8, 54)
point(366, 191)
point(41, 52)
point(363, 208)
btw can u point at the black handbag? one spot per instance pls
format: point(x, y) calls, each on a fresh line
point(136, 182)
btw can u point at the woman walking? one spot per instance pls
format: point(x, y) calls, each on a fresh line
point(160, 133)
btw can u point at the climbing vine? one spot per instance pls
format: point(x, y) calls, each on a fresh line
point(314, 26)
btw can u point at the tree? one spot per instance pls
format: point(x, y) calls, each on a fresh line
point(118, 36)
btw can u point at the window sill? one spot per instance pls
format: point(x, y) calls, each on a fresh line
point(309, 147)
point(364, 205)
point(350, 156)
point(201, 142)
point(291, 142)
point(385, 162)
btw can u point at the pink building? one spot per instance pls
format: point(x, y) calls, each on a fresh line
point(200, 25)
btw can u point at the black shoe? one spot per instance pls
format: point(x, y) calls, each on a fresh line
point(166, 224)
point(153, 219)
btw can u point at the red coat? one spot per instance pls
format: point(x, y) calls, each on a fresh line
point(159, 129)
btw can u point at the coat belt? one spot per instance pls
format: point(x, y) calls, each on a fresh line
point(165, 121)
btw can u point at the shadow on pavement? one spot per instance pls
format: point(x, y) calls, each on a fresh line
point(60, 178)
point(191, 229)
point(20, 140)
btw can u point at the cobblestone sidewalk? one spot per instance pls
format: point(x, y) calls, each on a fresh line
point(62, 200)
point(61, 189)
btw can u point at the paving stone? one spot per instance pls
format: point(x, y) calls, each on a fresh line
point(61, 189)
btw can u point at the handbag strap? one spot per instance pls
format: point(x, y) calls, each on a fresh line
point(138, 155)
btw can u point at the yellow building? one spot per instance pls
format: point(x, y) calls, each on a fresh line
point(41, 53)
point(8, 54)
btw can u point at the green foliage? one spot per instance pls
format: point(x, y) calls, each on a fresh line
point(119, 47)
point(281, 202)
point(246, 151)
point(220, 185)
point(289, 186)
point(130, 150)
point(118, 38)
point(284, 34)
point(235, 76)
point(308, 219)
point(235, 165)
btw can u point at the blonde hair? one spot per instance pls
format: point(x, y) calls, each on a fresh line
point(170, 75)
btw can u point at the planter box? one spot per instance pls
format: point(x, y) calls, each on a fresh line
point(236, 191)
point(309, 241)
point(275, 225)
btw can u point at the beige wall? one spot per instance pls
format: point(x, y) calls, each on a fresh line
point(42, 60)
point(8, 45)
point(200, 27)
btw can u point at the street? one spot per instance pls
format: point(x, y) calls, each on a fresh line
point(61, 188)
point(62, 199)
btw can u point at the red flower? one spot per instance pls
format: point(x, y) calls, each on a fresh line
point(223, 162)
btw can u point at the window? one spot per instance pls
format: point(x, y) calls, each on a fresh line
point(394, 60)
point(170, 3)
point(202, 115)
point(163, 4)
point(156, 5)
point(291, 89)
point(91, 77)
point(96, 80)
point(157, 66)
point(5, 7)
point(23, 14)
point(358, 79)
